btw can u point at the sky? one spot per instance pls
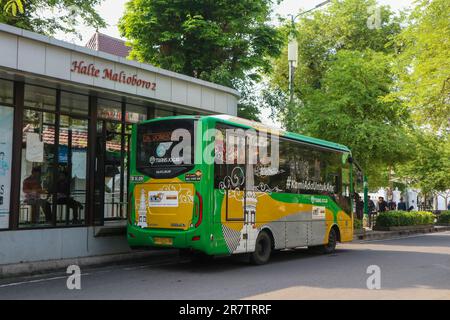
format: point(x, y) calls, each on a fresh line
point(112, 10)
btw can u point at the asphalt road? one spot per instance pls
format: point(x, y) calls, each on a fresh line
point(410, 268)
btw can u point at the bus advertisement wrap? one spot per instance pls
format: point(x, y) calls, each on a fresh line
point(222, 185)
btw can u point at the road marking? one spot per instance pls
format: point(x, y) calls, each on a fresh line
point(36, 281)
point(128, 268)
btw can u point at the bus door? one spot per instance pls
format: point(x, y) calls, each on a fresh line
point(235, 179)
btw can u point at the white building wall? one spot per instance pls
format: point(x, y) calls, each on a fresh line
point(41, 56)
point(54, 244)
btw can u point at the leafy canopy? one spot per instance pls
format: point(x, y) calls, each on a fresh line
point(51, 16)
point(348, 109)
point(423, 65)
point(429, 169)
point(343, 76)
point(220, 41)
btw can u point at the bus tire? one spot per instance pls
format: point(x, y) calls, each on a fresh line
point(263, 249)
point(330, 247)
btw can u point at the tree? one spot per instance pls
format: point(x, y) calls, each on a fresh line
point(13, 7)
point(343, 25)
point(429, 169)
point(220, 41)
point(51, 16)
point(343, 76)
point(249, 106)
point(424, 63)
point(349, 109)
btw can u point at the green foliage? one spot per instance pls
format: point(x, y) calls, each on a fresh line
point(403, 218)
point(220, 41)
point(444, 217)
point(51, 16)
point(423, 65)
point(341, 26)
point(249, 104)
point(348, 108)
point(429, 169)
point(342, 83)
point(357, 224)
point(13, 7)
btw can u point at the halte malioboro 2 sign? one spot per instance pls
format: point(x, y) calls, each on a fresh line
point(122, 77)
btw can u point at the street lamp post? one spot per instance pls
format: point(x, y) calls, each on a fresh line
point(293, 49)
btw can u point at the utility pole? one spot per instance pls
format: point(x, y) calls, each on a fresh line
point(293, 49)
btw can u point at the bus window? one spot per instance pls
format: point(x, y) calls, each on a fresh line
point(229, 158)
point(165, 149)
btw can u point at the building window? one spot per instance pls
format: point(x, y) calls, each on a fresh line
point(71, 180)
point(74, 104)
point(40, 98)
point(6, 92)
point(6, 137)
point(109, 110)
point(54, 158)
point(135, 114)
point(37, 169)
point(161, 113)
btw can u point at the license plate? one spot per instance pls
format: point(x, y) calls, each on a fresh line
point(163, 241)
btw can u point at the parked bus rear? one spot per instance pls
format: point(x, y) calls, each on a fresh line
point(167, 194)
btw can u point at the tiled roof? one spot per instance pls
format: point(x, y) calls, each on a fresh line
point(104, 43)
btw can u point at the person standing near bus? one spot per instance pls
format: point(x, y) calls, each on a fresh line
point(401, 205)
point(382, 205)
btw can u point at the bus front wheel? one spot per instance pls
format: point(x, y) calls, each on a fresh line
point(263, 249)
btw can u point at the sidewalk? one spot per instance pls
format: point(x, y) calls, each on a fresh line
point(368, 234)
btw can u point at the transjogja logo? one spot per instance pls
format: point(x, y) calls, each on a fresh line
point(161, 150)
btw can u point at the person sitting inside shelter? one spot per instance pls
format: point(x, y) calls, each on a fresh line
point(33, 191)
point(63, 195)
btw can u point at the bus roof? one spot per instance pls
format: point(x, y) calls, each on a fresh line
point(283, 133)
point(260, 126)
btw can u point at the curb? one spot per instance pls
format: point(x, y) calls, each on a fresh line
point(40, 267)
point(386, 235)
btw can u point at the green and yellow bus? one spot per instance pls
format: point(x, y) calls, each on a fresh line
point(221, 185)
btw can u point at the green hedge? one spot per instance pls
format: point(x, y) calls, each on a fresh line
point(404, 218)
point(357, 224)
point(444, 217)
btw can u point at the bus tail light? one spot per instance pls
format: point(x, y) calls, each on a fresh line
point(200, 209)
point(196, 238)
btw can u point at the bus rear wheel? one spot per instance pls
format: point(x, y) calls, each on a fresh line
point(263, 249)
point(328, 248)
